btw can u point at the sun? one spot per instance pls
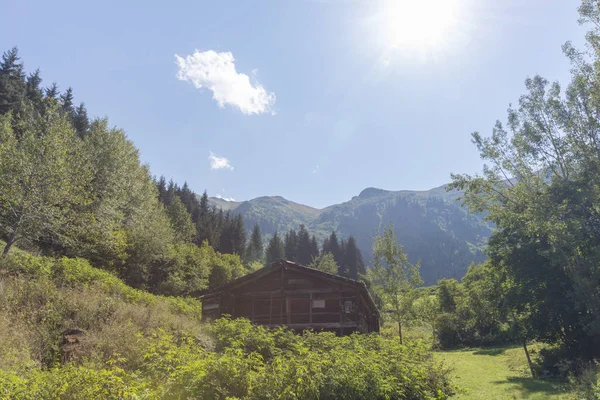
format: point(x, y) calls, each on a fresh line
point(424, 27)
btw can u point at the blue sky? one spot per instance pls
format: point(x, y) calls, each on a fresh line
point(316, 100)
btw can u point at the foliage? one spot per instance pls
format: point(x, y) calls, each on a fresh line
point(42, 178)
point(181, 221)
point(255, 250)
point(137, 345)
point(275, 250)
point(394, 279)
point(541, 189)
point(431, 225)
point(325, 262)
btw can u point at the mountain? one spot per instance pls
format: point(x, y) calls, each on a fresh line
point(431, 225)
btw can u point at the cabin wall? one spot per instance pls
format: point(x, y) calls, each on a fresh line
point(297, 300)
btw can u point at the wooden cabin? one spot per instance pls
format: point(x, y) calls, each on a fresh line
point(295, 296)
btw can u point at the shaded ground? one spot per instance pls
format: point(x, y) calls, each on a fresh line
point(498, 373)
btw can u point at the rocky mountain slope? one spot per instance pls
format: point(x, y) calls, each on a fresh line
point(431, 225)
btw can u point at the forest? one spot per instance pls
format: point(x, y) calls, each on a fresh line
point(102, 264)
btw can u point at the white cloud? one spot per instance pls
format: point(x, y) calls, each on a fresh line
point(217, 162)
point(316, 169)
point(216, 72)
point(218, 196)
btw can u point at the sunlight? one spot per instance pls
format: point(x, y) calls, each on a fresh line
point(417, 28)
point(419, 24)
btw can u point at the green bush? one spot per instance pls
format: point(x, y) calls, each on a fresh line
point(135, 345)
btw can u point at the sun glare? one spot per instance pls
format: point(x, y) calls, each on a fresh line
point(417, 26)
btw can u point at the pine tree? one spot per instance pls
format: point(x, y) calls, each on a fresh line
point(206, 221)
point(12, 81)
point(332, 245)
point(351, 258)
point(314, 248)
point(255, 247)
point(66, 100)
point(52, 91)
point(81, 121)
point(34, 92)
point(225, 246)
point(161, 186)
point(303, 255)
point(275, 250)
point(238, 236)
point(170, 193)
point(291, 245)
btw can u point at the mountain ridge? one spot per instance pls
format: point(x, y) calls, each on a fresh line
point(431, 224)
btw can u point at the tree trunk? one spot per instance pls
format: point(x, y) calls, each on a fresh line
point(9, 243)
point(400, 331)
point(528, 359)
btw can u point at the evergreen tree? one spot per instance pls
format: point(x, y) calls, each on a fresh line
point(303, 255)
point(238, 236)
point(66, 100)
point(52, 91)
point(255, 247)
point(81, 123)
point(291, 245)
point(351, 258)
point(225, 246)
point(161, 186)
point(314, 248)
point(275, 250)
point(233, 235)
point(332, 245)
point(205, 219)
point(34, 92)
point(12, 81)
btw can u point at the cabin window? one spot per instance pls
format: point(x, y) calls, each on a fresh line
point(349, 307)
point(318, 304)
point(210, 306)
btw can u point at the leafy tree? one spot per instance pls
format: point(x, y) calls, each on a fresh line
point(541, 187)
point(325, 263)
point(181, 221)
point(187, 272)
point(275, 250)
point(394, 279)
point(42, 177)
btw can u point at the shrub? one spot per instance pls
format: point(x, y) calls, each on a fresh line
point(134, 345)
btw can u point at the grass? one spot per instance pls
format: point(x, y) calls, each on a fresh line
point(498, 373)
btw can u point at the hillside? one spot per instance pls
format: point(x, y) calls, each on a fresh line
point(72, 331)
point(431, 225)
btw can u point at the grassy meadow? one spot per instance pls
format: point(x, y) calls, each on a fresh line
point(498, 373)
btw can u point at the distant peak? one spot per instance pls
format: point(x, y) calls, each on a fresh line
point(371, 192)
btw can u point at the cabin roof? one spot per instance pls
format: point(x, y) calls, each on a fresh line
point(277, 265)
